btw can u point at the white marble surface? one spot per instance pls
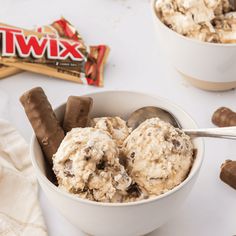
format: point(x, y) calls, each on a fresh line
point(135, 63)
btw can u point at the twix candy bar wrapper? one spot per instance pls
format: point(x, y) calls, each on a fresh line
point(65, 57)
point(59, 28)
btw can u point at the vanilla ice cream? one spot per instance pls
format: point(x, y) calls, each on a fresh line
point(159, 156)
point(205, 20)
point(87, 164)
point(115, 126)
point(107, 163)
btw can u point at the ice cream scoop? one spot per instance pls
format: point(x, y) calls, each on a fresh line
point(86, 164)
point(159, 156)
point(144, 113)
point(115, 126)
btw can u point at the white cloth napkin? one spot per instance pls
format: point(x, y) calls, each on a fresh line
point(20, 213)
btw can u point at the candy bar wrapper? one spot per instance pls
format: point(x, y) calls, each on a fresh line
point(66, 58)
point(60, 28)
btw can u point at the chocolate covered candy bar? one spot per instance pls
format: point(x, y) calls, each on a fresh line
point(57, 57)
point(43, 120)
point(224, 117)
point(77, 112)
point(228, 173)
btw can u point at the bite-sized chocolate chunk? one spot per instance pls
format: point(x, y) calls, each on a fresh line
point(43, 120)
point(224, 117)
point(77, 112)
point(134, 190)
point(228, 173)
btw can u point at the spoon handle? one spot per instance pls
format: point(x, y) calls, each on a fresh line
point(227, 132)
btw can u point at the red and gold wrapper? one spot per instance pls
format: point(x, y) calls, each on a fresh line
point(60, 28)
point(57, 50)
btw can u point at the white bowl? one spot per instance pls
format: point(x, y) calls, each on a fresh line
point(108, 219)
point(209, 66)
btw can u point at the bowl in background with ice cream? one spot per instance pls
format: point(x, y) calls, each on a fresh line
point(132, 218)
point(205, 60)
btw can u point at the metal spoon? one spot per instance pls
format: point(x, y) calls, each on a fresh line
point(144, 113)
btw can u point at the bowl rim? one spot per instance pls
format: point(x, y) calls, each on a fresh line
point(45, 180)
point(185, 37)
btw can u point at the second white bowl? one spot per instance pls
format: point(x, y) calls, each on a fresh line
point(208, 66)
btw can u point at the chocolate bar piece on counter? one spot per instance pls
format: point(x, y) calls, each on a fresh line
point(228, 173)
point(63, 58)
point(224, 117)
point(43, 120)
point(77, 112)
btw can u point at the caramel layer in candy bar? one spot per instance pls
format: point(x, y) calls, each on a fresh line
point(59, 28)
point(56, 57)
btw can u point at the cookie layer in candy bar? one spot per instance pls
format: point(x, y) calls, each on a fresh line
point(57, 57)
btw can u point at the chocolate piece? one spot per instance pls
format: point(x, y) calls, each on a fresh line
point(134, 190)
point(77, 111)
point(224, 117)
point(43, 120)
point(228, 173)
